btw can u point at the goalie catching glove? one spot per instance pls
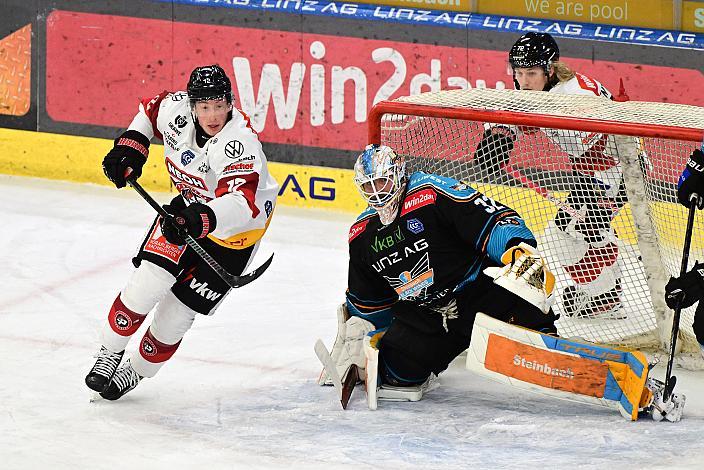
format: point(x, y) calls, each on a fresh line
point(349, 345)
point(526, 275)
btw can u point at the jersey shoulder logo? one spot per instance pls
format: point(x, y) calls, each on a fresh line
point(234, 149)
point(418, 199)
point(357, 229)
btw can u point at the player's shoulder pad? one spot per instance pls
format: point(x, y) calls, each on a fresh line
point(236, 141)
point(360, 224)
point(441, 184)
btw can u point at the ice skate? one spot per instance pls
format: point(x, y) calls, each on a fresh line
point(124, 380)
point(104, 369)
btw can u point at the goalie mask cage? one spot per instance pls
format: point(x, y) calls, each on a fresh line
point(554, 134)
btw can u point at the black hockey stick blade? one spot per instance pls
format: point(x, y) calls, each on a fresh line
point(348, 383)
point(343, 386)
point(244, 279)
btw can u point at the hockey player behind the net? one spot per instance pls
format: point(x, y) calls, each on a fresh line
point(425, 258)
point(685, 291)
point(227, 196)
point(587, 246)
point(416, 271)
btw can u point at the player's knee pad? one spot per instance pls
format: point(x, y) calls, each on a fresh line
point(146, 286)
point(172, 319)
point(152, 355)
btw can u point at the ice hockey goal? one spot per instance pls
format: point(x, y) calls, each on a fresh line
point(555, 140)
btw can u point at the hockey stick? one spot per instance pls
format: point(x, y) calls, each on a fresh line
point(231, 280)
point(343, 386)
point(669, 379)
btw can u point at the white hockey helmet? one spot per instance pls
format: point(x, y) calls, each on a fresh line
point(380, 177)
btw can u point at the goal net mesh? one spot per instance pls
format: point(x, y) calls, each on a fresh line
point(563, 146)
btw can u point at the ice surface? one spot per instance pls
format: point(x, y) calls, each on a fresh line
point(241, 390)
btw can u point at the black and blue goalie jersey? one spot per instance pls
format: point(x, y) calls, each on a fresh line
point(445, 234)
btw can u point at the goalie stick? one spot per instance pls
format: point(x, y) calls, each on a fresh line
point(231, 280)
point(343, 387)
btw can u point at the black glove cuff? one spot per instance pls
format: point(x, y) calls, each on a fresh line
point(134, 140)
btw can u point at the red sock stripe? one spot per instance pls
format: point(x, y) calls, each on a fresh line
point(155, 351)
point(123, 321)
point(135, 145)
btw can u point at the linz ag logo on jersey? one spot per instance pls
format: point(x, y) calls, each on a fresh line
point(418, 200)
point(187, 157)
point(178, 175)
point(234, 149)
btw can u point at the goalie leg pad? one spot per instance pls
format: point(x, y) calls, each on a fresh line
point(567, 369)
point(348, 347)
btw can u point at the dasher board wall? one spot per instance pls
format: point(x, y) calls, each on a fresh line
point(306, 72)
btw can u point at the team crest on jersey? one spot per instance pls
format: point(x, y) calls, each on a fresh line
point(187, 157)
point(412, 283)
point(234, 149)
point(414, 226)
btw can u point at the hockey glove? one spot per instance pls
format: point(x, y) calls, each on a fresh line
point(494, 149)
point(196, 220)
point(127, 157)
point(692, 180)
point(684, 291)
point(526, 275)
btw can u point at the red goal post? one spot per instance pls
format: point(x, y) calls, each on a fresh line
point(554, 136)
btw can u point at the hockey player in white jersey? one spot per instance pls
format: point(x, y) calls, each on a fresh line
point(588, 249)
point(226, 200)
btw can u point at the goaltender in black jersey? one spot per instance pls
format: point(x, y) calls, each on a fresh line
point(433, 260)
point(424, 258)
